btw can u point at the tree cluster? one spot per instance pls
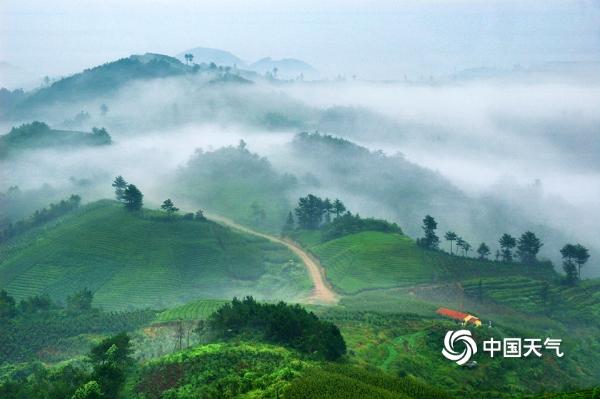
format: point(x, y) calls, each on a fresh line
point(352, 224)
point(280, 323)
point(574, 256)
point(313, 211)
point(128, 194)
point(527, 248)
point(332, 218)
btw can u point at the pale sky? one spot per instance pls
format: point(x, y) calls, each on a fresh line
point(373, 39)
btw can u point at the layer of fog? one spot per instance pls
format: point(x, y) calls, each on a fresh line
point(480, 133)
point(148, 161)
point(532, 147)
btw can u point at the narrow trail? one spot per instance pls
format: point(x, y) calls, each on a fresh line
point(322, 292)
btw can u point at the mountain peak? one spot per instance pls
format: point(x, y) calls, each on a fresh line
point(205, 55)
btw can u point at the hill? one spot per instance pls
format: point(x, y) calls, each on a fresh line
point(381, 271)
point(105, 79)
point(210, 55)
point(134, 261)
point(406, 344)
point(235, 182)
point(374, 260)
point(38, 135)
point(287, 68)
point(394, 188)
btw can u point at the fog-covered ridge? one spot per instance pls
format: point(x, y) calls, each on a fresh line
point(484, 156)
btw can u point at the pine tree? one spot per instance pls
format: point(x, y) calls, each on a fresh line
point(507, 243)
point(528, 247)
point(450, 236)
point(120, 186)
point(430, 240)
point(133, 198)
point(568, 253)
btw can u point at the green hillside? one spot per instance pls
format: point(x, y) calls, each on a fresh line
point(105, 79)
point(40, 135)
point(133, 261)
point(197, 310)
point(580, 304)
point(235, 182)
point(404, 344)
point(374, 260)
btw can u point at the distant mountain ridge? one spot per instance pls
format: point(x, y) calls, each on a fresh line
point(210, 55)
point(287, 68)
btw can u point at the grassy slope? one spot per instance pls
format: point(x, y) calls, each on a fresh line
point(389, 272)
point(579, 304)
point(197, 310)
point(130, 261)
point(373, 260)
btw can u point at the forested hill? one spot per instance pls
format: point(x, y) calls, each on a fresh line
point(404, 192)
point(38, 135)
point(106, 78)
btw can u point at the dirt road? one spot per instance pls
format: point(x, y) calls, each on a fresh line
point(322, 292)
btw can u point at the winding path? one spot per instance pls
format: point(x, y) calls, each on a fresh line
point(322, 291)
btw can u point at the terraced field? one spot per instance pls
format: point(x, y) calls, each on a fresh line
point(197, 310)
point(130, 261)
point(375, 260)
point(372, 260)
point(578, 304)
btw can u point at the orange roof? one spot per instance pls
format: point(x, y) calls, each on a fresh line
point(456, 315)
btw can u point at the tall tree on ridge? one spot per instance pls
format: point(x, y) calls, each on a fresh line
point(528, 247)
point(507, 243)
point(450, 236)
point(328, 209)
point(133, 198)
point(169, 207)
point(120, 186)
point(338, 208)
point(430, 240)
point(581, 257)
point(568, 253)
point(483, 251)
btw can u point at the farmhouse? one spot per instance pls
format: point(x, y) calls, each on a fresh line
point(464, 318)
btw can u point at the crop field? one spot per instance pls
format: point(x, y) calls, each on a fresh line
point(198, 310)
point(370, 260)
point(130, 261)
point(578, 304)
